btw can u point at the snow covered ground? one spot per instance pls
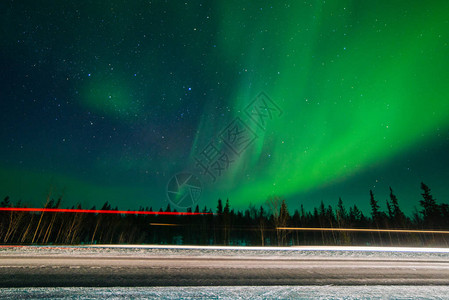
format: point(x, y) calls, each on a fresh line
point(233, 292)
point(303, 252)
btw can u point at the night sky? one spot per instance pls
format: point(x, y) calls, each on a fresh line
point(307, 100)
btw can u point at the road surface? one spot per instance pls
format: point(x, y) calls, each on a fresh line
point(87, 270)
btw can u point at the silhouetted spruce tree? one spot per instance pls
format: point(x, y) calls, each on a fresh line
point(322, 221)
point(331, 221)
point(262, 225)
point(296, 222)
point(284, 217)
point(399, 219)
point(430, 211)
point(218, 224)
point(219, 207)
point(5, 202)
point(354, 216)
point(342, 216)
point(226, 223)
point(375, 214)
point(444, 208)
point(389, 210)
point(341, 212)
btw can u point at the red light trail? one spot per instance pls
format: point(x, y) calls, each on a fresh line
point(94, 211)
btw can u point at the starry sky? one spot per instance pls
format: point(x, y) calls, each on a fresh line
point(308, 100)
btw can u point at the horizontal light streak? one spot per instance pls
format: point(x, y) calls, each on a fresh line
point(245, 248)
point(362, 230)
point(101, 211)
point(163, 224)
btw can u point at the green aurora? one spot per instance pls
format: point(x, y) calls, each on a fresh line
point(355, 90)
point(362, 87)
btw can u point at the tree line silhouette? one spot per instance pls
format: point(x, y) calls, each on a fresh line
point(270, 224)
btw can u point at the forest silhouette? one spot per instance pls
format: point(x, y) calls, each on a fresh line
point(271, 224)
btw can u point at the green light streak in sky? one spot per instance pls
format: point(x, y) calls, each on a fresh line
point(357, 89)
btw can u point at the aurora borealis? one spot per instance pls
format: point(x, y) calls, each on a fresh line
point(107, 101)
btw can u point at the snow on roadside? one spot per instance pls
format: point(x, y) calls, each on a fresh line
point(302, 252)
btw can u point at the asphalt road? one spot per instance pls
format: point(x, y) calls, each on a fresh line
point(94, 271)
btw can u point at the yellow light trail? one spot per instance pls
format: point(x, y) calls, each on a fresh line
point(363, 230)
point(163, 224)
